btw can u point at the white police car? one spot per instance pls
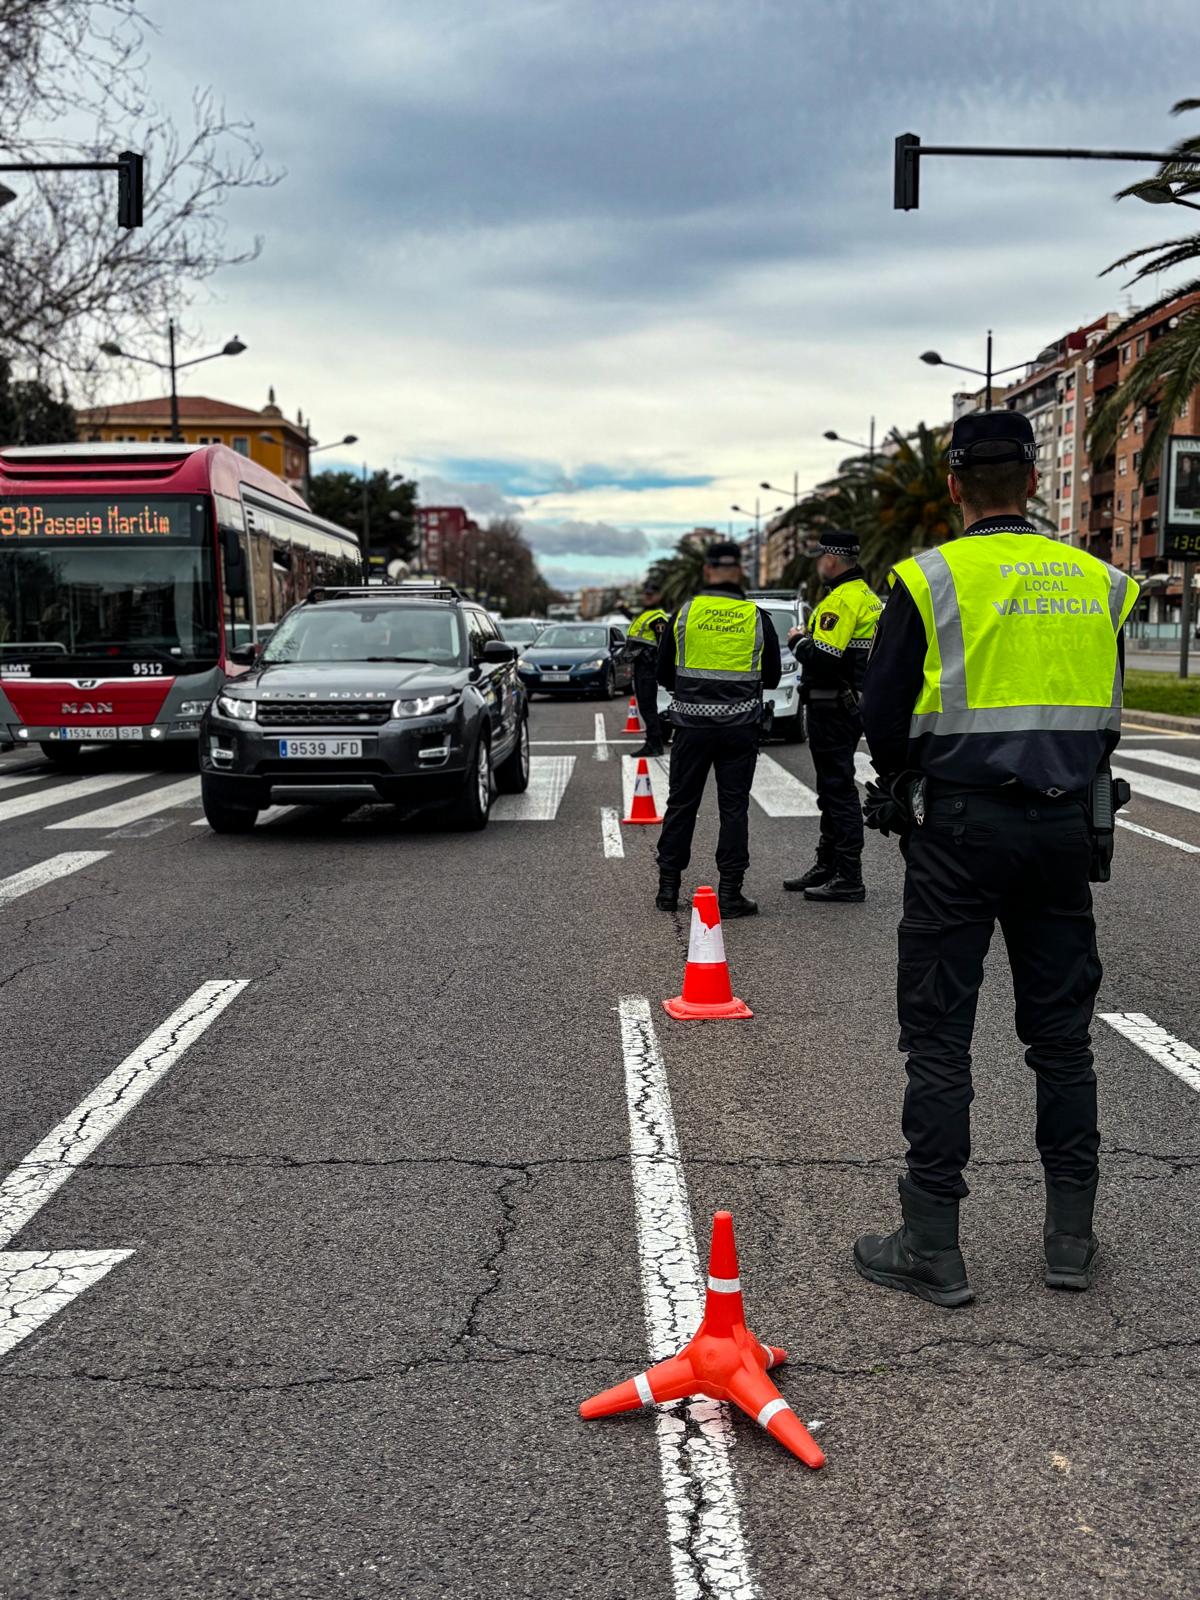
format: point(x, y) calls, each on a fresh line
point(786, 611)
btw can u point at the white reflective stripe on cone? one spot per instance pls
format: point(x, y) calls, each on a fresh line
point(725, 1285)
point(767, 1351)
point(642, 1384)
point(706, 946)
point(642, 784)
point(772, 1409)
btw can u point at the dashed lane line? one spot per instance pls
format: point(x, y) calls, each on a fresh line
point(601, 738)
point(548, 780)
point(704, 1523)
point(1175, 1054)
point(184, 793)
point(44, 872)
point(35, 1284)
point(610, 833)
point(1159, 838)
point(63, 794)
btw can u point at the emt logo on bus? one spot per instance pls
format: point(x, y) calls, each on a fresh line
point(93, 520)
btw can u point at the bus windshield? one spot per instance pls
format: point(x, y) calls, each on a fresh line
point(115, 581)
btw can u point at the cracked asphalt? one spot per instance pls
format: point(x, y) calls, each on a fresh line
point(383, 1234)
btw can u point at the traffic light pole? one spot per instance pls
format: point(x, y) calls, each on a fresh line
point(130, 170)
point(906, 194)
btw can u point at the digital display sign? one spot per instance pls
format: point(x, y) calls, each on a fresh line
point(1181, 502)
point(119, 518)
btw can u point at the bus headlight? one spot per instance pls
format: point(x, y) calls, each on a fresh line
point(192, 708)
point(236, 710)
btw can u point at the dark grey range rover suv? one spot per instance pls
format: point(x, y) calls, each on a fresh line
point(407, 695)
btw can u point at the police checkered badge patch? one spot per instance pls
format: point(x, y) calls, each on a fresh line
point(828, 620)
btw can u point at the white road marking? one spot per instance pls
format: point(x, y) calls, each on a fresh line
point(1161, 838)
point(864, 768)
point(548, 779)
point(1175, 1054)
point(610, 832)
point(1167, 758)
point(271, 814)
point(63, 794)
point(32, 1181)
point(780, 793)
point(1146, 787)
point(704, 1524)
point(35, 1284)
point(184, 793)
point(589, 744)
point(660, 781)
point(46, 872)
point(601, 740)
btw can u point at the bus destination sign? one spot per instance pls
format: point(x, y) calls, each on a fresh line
point(96, 519)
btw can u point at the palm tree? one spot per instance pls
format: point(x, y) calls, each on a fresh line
point(915, 510)
point(1170, 369)
point(679, 576)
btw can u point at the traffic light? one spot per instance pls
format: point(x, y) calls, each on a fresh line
point(906, 195)
point(130, 170)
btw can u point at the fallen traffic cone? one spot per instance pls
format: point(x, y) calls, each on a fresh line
point(723, 1361)
point(633, 722)
point(641, 807)
point(707, 991)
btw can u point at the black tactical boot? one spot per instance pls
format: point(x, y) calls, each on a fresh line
point(668, 891)
point(820, 872)
point(732, 902)
point(843, 885)
point(922, 1257)
point(645, 749)
point(1071, 1246)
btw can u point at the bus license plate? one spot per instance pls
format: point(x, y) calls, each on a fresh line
point(321, 749)
point(92, 735)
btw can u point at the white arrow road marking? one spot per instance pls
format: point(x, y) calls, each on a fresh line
point(1146, 787)
point(704, 1522)
point(63, 793)
point(36, 1284)
point(184, 793)
point(548, 779)
point(610, 833)
point(601, 738)
point(1175, 1054)
point(46, 871)
point(780, 793)
point(1161, 838)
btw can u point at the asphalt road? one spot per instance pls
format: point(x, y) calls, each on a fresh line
point(353, 1241)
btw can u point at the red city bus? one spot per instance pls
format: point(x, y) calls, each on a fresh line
point(134, 577)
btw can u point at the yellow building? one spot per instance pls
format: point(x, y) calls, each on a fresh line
point(265, 436)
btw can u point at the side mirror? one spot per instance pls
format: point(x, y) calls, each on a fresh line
point(244, 655)
point(496, 651)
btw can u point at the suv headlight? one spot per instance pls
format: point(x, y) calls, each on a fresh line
point(425, 705)
point(236, 710)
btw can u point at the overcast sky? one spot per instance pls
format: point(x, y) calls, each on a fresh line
point(611, 264)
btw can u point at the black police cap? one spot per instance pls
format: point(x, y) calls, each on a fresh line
point(840, 542)
point(722, 553)
point(987, 438)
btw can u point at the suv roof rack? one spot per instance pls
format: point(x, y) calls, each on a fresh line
point(380, 591)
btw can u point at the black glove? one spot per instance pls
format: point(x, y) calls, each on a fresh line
point(887, 806)
point(804, 647)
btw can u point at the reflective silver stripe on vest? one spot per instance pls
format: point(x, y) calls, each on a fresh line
point(1018, 719)
point(1118, 589)
point(947, 620)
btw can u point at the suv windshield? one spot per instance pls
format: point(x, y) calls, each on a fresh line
point(573, 638)
point(370, 632)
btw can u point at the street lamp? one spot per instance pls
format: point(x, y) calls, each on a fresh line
point(794, 491)
point(1154, 194)
point(840, 438)
point(315, 449)
point(932, 359)
point(757, 515)
point(231, 347)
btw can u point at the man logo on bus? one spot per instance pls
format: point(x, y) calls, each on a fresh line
point(85, 708)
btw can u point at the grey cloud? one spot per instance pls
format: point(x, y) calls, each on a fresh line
point(585, 539)
point(480, 499)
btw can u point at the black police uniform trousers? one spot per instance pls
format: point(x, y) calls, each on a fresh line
point(833, 735)
point(732, 754)
point(1021, 860)
point(645, 689)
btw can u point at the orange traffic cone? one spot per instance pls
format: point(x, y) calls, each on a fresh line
point(641, 807)
point(723, 1361)
point(633, 722)
point(707, 992)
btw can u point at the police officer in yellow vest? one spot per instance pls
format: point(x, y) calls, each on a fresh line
point(991, 705)
point(718, 654)
point(832, 653)
point(645, 632)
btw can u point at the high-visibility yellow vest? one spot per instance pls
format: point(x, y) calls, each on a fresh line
point(1020, 639)
point(718, 654)
point(843, 624)
point(641, 629)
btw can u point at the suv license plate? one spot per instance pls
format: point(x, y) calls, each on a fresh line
point(321, 749)
point(556, 677)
